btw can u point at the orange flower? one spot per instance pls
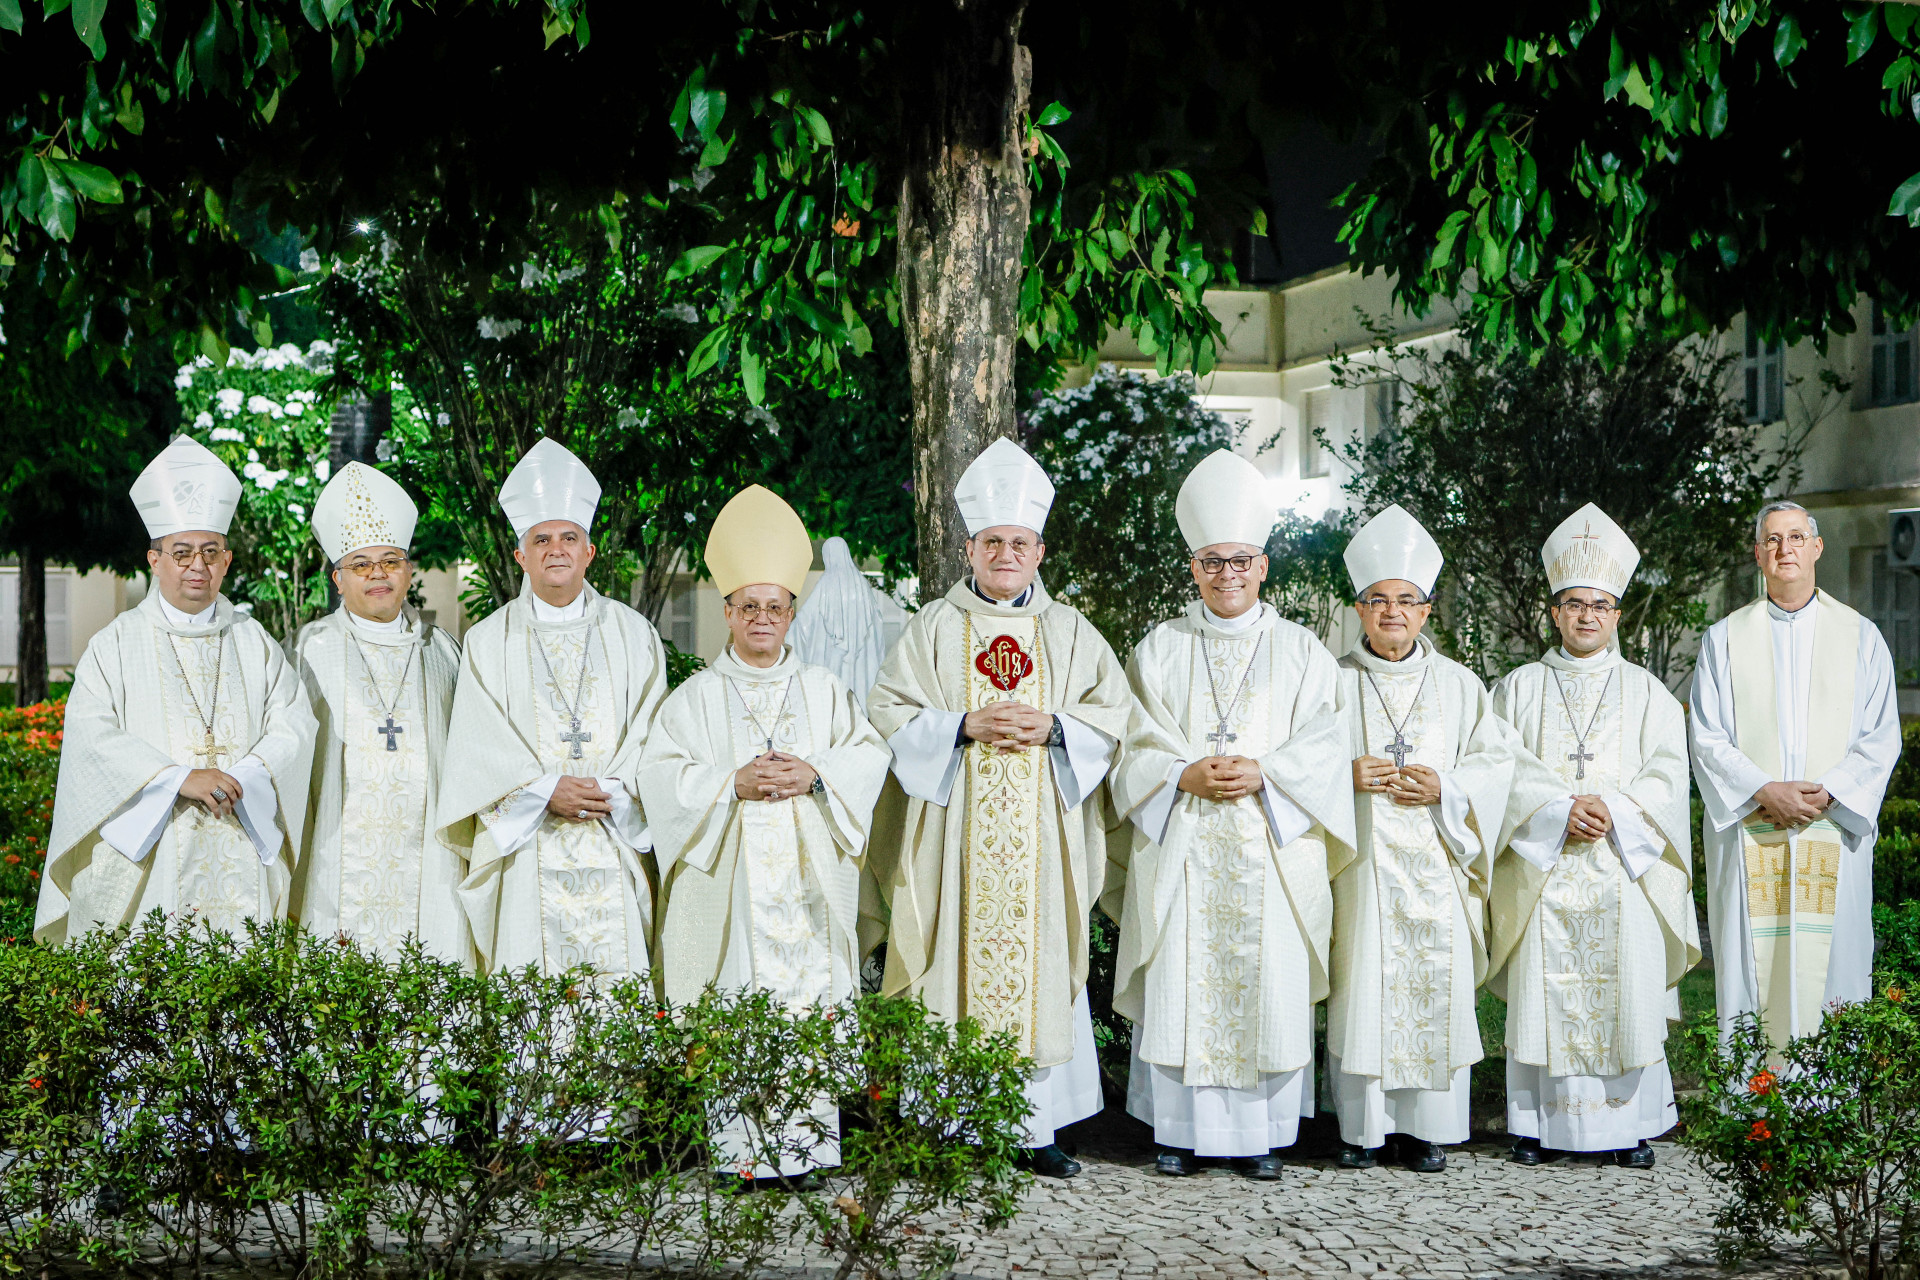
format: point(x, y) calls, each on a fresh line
point(34, 874)
point(34, 1083)
point(1897, 994)
point(1766, 1166)
point(846, 227)
point(12, 859)
point(1760, 1132)
point(659, 1014)
point(1762, 1084)
point(875, 1092)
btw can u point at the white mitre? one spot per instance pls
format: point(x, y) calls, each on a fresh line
point(186, 487)
point(362, 507)
point(549, 483)
point(1590, 550)
point(1004, 485)
point(1393, 545)
point(1225, 499)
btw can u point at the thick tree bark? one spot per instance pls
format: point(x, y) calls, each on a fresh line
point(963, 226)
point(30, 669)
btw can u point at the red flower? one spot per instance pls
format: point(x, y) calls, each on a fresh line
point(659, 1014)
point(875, 1092)
point(1766, 1166)
point(12, 858)
point(34, 1083)
point(34, 874)
point(1760, 1132)
point(1762, 1084)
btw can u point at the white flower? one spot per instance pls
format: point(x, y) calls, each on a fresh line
point(226, 435)
point(253, 456)
point(571, 273)
point(260, 404)
point(202, 420)
point(323, 469)
point(229, 401)
point(184, 378)
point(309, 259)
point(383, 451)
point(305, 397)
point(295, 408)
point(531, 274)
point(444, 419)
point(499, 329)
point(297, 509)
point(626, 420)
point(301, 482)
point(684, 312)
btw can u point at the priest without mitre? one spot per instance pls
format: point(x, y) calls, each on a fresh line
point(1237, 784)
point(1431, 766)
point(555, 697)
point(1796, 728)
point(760, 778)
point(382, 681)
point(1592, 920)
point(1003, 708)
point(183, 773)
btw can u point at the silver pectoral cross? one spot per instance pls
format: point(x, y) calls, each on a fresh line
point(390, 729)
point(1580, 755)
point(1220, 738)
point(576, 737)
point(1399, 749)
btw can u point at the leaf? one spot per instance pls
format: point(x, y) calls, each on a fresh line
point(1636, 86)
point(705, 107)
point(330, 9)
point(1861, 32)
point(695, 260)
point(708, 352)
point(816, 125)
point(10, 19)
point(1716, 116)
point(92, 182)
point(1906, 200)
point(753, 372)
point(59, 210)
point(1055, 113)
point(1788, 41)
point(86, 24)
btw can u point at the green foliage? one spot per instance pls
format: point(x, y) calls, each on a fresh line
point(295, 1102)
point(1307, 581)
point(30, 740)
point(1491, 452)
point(1821, 1141)
point(680, 665)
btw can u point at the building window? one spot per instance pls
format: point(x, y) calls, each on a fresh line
point(676, 622)
point(1255, 262)
point(1316, 421)
point(59, 635)
point(1765, 367)
point(1894, 605)
point(1384, 401)
point(1893, 361)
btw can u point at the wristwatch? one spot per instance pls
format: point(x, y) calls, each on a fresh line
point(1058, 737)
point(818, 788)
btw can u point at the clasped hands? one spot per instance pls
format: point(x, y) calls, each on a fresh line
point(202, 783)
point(1411, 785)
point(1589, 819)
point(774, 775)
point(1222, 778)
point(1792, 804)
point(579, 800)
point(1013, 726)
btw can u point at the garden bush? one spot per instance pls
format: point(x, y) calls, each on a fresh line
point(29, 761)
point(175, 1101)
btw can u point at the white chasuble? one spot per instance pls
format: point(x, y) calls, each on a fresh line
point(1807, 696)
point(1409, 935)
point(1589, 937)
point(152, 700)
point(988, 861)
point(539, 700)
point(374, 869)
point(1225, 909)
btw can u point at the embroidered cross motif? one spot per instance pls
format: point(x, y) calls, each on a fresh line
point(1004, 663)
point(390, 729)
point(576, 737)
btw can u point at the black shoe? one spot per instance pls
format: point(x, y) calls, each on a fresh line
point(1352, 1157)
point(1640, 1157)
point(1528, 1151)
point(1051, 1162)
point(1261, 1168)
point(1174, 1163)
point(1420, 1155)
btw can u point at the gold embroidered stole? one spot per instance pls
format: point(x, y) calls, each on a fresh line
point(787, 906)
point(1413, 876)
point(1579, 909)
point(1000, 961)
point(219, 870)
point(1225, 868)
point(383, 825)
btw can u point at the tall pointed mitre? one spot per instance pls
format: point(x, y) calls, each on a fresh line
point(361, 507)
point(1004, 485)
point(186, 487)
point(1225, 499)
point(549, 483)
point(1393, 545)
point(757, 538)
point(1590, 550)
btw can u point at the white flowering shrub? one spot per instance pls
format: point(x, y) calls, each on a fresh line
point(267, 417)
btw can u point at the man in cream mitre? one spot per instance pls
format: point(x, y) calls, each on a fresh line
point(1431, 764)
point(556, 694)
point(1234, 776)
point(1592, 921)
point(1796, 729)
point(760, 778)
point(1003, 708)
point(382, 684)
point(183, 774)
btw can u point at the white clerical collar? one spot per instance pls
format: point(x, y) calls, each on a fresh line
point(1240, 623)
point(1018, 602)
point(1806, 610)
point(571, 612)
point(1602, 657)
point(177, 618)
point(393, 627)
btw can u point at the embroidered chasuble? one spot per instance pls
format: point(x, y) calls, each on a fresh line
point(123, 842)
point(373, 867)
point(989, 880)
point(1804, 696)
point(1409, 940)
point(538, 700)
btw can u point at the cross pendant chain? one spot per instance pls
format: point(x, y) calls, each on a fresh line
point(1579, 755)
point(1220, 738)
point(210, 751)
point(779, 716)
point(576, 737)
point(1399, 749)
point(390, 729)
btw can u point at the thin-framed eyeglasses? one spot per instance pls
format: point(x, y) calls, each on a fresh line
point(1580, 608)
point(753, 611)
point(1020, 547)
point(1212, 565)
point(185, 556)
point(387, 565)
point(1377, 603)
point(1796, 539)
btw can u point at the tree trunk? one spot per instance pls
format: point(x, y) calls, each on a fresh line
point(963, 227)
point(30, 669)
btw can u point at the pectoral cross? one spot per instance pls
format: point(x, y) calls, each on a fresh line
point(390, 729)
point(1220, 738)
point(209, 751)
point(1579, 755)
point(576, 737)
point(1399, 749)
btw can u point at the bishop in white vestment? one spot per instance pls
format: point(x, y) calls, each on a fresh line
point(760, 778)
point(382, 678)
point(1796, 729)
point(1240, 793)
point(1003, 708)
point(1431, 766)
point(556, 694)
point(1592, 918)
point(183, 773)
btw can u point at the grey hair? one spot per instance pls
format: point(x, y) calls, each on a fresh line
point(1772, 508)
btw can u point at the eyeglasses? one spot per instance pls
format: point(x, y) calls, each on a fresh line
point(387, 565)
point(1580, 608)
point(1377, 603)
point(1212, 565)
point(1797, 539)
point(1020, 547)
point(185, 556)
point(753, 612)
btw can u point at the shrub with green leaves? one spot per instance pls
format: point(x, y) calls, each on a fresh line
point(30, 740)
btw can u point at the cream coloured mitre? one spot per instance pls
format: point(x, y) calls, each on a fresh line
point(1004, 485)
point(1590, 550)
point(1225, 499)
point(549, 483)
point(1393, 545)
point(362, 507)
point(757, 538)
point(186, 487)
